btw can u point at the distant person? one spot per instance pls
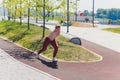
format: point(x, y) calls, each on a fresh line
point(51, 39)
point(110, 22)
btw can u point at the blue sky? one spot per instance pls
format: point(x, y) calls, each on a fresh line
point(106, 4)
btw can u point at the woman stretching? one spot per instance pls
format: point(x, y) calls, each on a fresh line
point(51, 39)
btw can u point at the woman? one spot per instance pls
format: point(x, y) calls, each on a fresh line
point(51, 39)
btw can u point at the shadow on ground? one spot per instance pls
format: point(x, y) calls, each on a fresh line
point(49, 64)
point(21, 53)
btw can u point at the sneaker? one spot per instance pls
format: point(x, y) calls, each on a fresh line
point(54, 60)
point(37, 56)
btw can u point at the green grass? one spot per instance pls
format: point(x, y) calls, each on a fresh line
point(31, 39)
point(115, 30)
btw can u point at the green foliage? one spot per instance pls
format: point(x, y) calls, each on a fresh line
point(112, 13)
point(31, 39)
point(19, 8)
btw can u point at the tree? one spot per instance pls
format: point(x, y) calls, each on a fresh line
point(86, 13)
point(108, 13)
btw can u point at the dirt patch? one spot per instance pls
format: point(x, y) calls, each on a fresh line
point(80, 24)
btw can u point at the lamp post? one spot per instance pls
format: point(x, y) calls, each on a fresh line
point(93, 14)
point(68, 16)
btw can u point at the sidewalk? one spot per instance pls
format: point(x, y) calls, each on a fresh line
point(11, 69)
point(107, 69)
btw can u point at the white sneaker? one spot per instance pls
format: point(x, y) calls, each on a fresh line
point(37, 56)
point(54, 60)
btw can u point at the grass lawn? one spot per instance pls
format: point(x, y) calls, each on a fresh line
point(115, 30)
point(31, 39)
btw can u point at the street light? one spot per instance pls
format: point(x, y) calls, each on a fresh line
point(68, 16)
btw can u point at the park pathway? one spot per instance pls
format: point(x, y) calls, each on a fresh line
point(107, 69)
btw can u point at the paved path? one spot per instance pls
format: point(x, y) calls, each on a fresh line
point(11, 69)
point(107, 69)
